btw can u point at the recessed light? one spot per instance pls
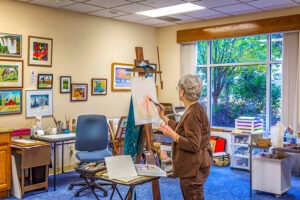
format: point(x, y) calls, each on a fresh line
point(170, 10)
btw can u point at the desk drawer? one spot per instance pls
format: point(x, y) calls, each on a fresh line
point(36, 156)
point(4, 138)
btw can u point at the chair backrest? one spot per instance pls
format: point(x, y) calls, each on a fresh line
point(91, 133)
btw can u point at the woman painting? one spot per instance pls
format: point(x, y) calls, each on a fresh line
point(191, 150)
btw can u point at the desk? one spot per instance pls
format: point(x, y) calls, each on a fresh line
point(32, 158)
point(58, 139)
point(90, 174)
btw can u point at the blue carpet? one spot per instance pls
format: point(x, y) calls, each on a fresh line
point(223, 183)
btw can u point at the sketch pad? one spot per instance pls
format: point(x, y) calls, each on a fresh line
point(120, 166)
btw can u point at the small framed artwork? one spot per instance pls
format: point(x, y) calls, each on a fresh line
point(11, 73)
point(79, 91)
point(153, 66)
point(65, 84)
point(99, 86)
point(10, 45)
point(10, 101)
point(39, 103)
point(120, 76)
point(40, 51)
point(45, 81)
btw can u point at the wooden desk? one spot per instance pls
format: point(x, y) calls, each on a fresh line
point(58, 139)
point(33, 157)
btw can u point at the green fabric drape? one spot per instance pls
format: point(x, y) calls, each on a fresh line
point(133, 135)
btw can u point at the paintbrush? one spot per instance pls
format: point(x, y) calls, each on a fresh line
point(157, 104)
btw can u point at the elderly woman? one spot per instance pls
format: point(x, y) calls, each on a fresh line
point(191, 150)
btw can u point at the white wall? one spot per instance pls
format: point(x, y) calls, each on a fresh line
point(84, 47)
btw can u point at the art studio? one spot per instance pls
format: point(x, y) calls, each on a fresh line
point(150, 99)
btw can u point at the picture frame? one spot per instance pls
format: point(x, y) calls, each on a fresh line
point(154, 67)
point(39, 103)
point(40, 51)
point(45, 81)
point(99, 86)
point(79, 92)
point(10, 101)
point(120, 76)
point(10, 45)
point(65, 84)
point(11, 73)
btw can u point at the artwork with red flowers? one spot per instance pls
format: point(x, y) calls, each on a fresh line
point(40, 51)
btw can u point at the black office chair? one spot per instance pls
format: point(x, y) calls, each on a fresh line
point(92, 146)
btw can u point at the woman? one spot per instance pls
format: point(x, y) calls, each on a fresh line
point(191, 150)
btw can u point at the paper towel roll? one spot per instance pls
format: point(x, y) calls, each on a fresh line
point(38, 133)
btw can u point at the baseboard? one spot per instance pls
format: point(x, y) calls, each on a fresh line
point(59, 169)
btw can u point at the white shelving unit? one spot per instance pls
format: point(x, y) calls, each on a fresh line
point(240, 151)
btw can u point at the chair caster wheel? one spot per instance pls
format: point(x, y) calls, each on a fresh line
point(70, 187)
point(105, 194)
point(76, 194)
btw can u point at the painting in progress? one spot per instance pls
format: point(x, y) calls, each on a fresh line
point(143, 89)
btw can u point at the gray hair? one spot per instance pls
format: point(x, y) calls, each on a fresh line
point(192, 86)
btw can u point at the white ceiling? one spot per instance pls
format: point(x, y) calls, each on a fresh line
point(125, 10)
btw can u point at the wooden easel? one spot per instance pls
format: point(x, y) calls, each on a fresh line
point(146, 137)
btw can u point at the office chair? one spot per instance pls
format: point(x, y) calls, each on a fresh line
point(92, 146)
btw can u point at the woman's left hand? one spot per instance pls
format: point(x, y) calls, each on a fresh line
point(168, 131)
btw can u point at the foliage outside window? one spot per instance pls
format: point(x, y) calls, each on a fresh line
point(241, 77)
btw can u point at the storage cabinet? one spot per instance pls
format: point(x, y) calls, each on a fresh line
point(5, 164)
point(271, 175)
point(240, 151)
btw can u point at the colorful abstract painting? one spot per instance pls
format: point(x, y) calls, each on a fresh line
point(10, 101)
point(99, 86)
point(40, 51)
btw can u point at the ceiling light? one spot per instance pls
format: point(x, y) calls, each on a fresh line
point(181, 8)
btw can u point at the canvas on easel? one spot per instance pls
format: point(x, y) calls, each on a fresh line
point(145, 112)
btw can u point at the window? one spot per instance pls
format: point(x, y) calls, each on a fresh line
point(241, 77)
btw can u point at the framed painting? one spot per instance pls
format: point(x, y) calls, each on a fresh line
point(120, 76)
point(10, 101)
point(99, 86)
point(45, 81)
point(121, 127)
point(39, 103)
point(11, 73)
point(65, 84)
point(79, 91)
point(40, 51)
point(10, 45)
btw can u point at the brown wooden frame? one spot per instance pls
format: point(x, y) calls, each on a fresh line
point(262, 26)
point(31, 62)
point(72, 91)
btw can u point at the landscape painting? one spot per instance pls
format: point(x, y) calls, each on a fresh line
point(38, 103)
point(10, 101)
point(11, 73)
point(79, 91)
point(10, 45)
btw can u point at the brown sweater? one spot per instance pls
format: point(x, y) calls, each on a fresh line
point(193, 150)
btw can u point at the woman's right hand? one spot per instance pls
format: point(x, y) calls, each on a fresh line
point(161, 113)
